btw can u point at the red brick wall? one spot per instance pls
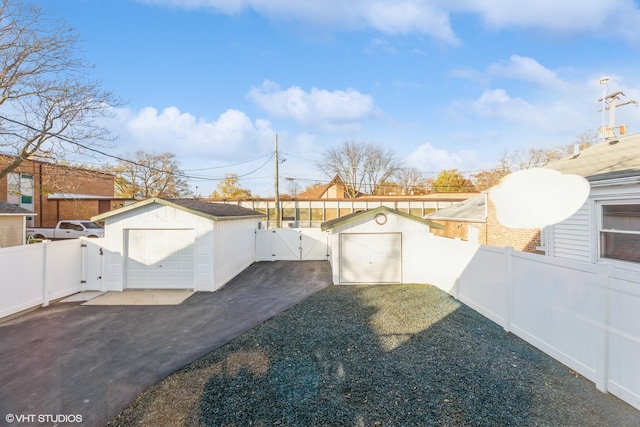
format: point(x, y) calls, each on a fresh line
point(493, 233)
point(49, 178)
point(521, 239)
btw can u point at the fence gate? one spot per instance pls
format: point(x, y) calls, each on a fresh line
point(286, 244)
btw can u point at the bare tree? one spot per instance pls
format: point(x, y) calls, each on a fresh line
point(410, 181)
point(47, 106)
point(361, 166)
point(381, 164)
point(533, 157)
point(150, 175)
point(293, 188)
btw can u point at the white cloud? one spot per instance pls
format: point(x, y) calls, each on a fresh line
point(605, 17)
point(380, 45)
point(397, 17)
point(557, 117)
point(340, 109)
point(527, 69)
point(428, 158)
point(469, 74)
point(228, 137)
point(569, 16)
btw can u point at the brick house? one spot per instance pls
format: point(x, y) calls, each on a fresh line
point(55, 192)
point(475, 220)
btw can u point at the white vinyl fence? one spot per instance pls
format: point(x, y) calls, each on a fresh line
point(34, 275)
point(291, 244)
point(586, 316)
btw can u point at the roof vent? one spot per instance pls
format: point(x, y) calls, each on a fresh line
point(576, 151)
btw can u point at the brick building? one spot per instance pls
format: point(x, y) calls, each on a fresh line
point(55, 192)
point(475, 220)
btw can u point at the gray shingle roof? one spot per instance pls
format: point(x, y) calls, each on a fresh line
point(611, 159)
point(214, 211)
point(8, 208)
point(473, 210)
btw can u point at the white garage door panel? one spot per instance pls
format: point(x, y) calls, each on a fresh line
point(371, 258)
point(160, 259)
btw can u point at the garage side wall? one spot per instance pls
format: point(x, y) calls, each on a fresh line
point(12, 231)
point(157, 217)
point(414, 237)
point(234, 248)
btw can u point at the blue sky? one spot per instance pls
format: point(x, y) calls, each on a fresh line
point(444, 84)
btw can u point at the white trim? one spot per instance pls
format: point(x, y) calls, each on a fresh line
point(596, 238)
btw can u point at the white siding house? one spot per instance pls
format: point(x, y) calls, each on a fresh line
point(13, 223)
point(380, 245)
point(607, 227)
point(176, 244)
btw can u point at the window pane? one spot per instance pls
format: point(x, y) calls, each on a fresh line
point(330, 213)
point(289, 214)
point(303, 213)
point(316, 214)
point(620, 246)
point(621, 217)
point(416, 212)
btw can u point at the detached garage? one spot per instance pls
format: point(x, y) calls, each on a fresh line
point(176, 244)
point(381, 245)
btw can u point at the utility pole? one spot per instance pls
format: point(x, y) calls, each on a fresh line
point(277, 191)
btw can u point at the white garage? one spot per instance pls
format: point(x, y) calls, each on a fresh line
point(176, 244)
point(159, 259)
point(381, 245)
point(370, 257)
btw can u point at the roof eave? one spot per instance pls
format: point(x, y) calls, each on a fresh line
point(325, 227)
point(175, 206)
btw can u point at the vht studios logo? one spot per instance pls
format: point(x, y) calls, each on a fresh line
point(43, 418)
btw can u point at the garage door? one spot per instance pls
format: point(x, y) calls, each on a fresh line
point(160, 259)
point(371, 258)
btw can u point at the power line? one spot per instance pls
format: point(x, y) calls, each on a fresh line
point(230, 165)
point(180, 174)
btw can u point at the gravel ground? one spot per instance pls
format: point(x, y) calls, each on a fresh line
point(400, 355)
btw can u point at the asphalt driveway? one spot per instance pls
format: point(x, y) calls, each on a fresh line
point(69, 359)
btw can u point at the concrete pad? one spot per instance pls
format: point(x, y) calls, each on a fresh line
point(82, 296)
point(93, 360)
point(142, 297)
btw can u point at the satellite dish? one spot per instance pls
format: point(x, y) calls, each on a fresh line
point(537, 197)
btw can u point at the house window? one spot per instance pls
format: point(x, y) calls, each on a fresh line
point(620, 231)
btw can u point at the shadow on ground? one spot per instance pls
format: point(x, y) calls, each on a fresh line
point(377, 355)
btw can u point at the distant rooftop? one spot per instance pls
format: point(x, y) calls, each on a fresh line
point(473, 210)
point(612, 159)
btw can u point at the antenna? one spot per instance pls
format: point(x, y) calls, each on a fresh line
point(610, 103)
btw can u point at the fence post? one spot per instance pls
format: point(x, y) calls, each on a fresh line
point(508, 288)
point(45, 274)
point(603, 274)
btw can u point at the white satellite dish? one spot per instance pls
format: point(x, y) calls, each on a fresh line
point(535, 198)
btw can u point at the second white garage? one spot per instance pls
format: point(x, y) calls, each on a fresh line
point(381, 245)
point(370, 258)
